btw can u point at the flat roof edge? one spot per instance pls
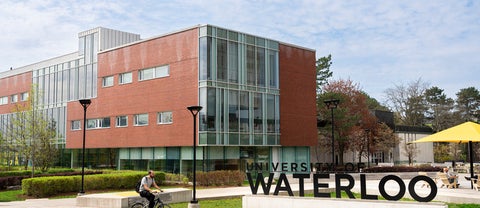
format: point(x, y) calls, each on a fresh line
point(40, 64)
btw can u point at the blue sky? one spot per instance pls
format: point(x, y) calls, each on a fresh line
point(377, 44)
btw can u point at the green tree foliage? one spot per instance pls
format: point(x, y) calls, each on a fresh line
point(439, 113)
point(373, 103)
point(442, 152)
point(323, 71)
point(32, 134)
point(468, 104)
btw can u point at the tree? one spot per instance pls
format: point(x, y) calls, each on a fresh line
point(21, 133)
point(3, 149)
point(323, 71)
point(385, 138)
point(32, 133)
point(46, 150)
point(373, 103)
point(442, 152)
point(439, 111)
point(468, 104)
point(351, 116)
point(408, 102)
point(411, 151)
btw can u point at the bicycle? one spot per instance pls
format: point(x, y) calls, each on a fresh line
point(158, 203)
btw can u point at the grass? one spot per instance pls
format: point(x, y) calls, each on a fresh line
point(17, 195)
point(219, 203)
point(6, 196)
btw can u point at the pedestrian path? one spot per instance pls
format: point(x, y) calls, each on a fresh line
point(461, 195)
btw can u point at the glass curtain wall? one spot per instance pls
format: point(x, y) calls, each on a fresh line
point(71, 80)
point(238, 89)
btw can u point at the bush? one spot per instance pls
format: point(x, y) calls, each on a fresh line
point(50, 186)
point(19, 173)
point(15, 178)
point(424, 168)
point(220, 178)
point(176, 178)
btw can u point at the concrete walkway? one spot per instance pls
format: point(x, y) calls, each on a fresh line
point(461, 195)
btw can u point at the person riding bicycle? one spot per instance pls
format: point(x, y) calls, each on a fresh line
point(145, 188)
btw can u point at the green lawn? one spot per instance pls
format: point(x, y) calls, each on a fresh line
point(6, 196)
point(230, 203)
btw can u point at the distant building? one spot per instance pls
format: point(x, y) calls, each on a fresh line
point(396, 155)
point(258, 98)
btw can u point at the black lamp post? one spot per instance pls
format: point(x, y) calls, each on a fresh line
point(367, 131)
point(194, 110)
point(332, 104)
point(85, 103)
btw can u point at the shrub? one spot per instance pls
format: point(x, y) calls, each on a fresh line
point(425, 168)
point(15, 178)
point(176, 178)
point(19, 173)
point(50, 186)
point(221, 178)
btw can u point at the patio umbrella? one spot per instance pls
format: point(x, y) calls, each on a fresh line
point(462, 133)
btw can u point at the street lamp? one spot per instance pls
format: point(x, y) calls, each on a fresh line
point(194, 110)
point(332, 104)
point(367, 131)
point(85, 103)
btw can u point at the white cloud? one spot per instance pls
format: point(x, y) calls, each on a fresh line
point(374, 43)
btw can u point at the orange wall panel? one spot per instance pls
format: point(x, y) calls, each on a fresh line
point(297, 96)
point(14, 85)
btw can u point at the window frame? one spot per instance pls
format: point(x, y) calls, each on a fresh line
point(160, 116)
point(121, 78)
point(136, 119)
point(107, 84)
point(99, 123)
point(14, 98)
point(24, 96)
point(157, 72)
point(72, 125)
point(4, 100)
point(117, 123)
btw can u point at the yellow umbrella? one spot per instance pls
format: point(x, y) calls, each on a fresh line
point(463, 133)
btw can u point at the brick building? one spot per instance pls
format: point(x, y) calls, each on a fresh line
point(258, 98)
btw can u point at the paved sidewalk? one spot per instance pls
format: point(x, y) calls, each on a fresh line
point(461, 195)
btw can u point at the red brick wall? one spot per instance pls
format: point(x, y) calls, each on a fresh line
point(297, 96)
point(173, 93)
point(14, 85)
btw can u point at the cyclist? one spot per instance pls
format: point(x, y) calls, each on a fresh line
point(145, 188)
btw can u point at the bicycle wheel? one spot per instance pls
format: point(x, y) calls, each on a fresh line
point(137, 205)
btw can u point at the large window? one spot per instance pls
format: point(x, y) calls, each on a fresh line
point(121, 121)
point(164, 118)
point(155, 72)
point(76, 125)
point(222, 60)
point(141, 119)
point(98, 123)
point(238, 89)
point(107, 81)
point(125, 78)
